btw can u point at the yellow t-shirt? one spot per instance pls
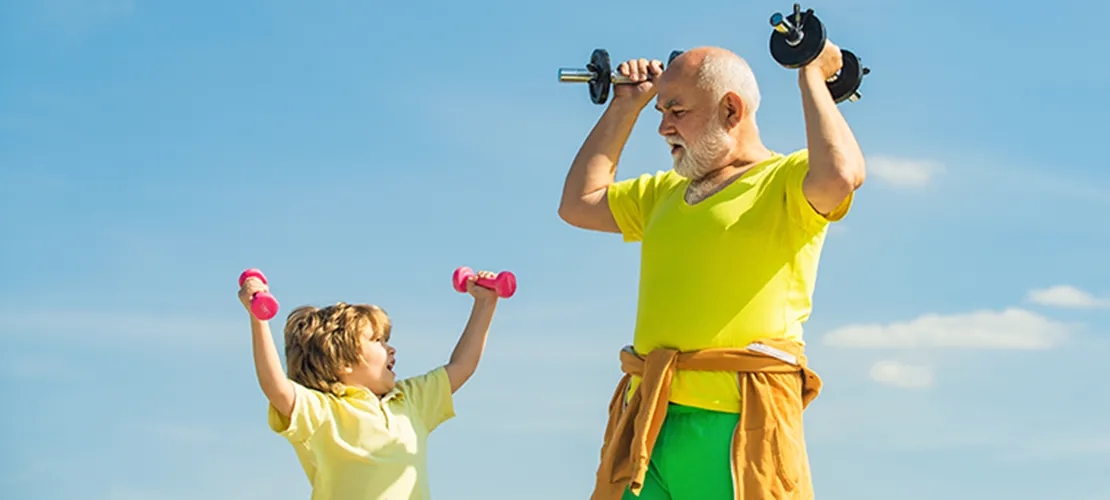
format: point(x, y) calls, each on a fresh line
point(738, 266)
point(357, 446)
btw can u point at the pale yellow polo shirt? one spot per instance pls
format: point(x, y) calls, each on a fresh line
point(357, 446)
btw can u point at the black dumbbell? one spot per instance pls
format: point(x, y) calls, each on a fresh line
point(799, 38)
point(599, 74)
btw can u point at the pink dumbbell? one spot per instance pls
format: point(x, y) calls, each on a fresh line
point(263, 305)
point(504, 282)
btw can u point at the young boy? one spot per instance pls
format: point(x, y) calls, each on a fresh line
point(358, 433)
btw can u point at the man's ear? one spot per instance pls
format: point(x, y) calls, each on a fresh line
point(732, 110)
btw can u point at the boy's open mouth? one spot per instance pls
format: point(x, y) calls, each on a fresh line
point(389, 365)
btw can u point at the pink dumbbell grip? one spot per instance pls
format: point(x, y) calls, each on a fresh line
point(504, 283)
point(263, 305)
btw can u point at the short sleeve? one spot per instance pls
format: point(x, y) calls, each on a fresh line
point(796, 168)
point(631, 202)
point(310, 411)
point(430, 397)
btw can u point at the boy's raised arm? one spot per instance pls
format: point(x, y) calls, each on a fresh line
point(271, 377)
point(472, 342)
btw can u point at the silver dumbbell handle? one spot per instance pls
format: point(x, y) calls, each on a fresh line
point(582, 75)
point(783, 25)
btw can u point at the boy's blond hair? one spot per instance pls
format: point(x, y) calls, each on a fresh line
point(319, 342)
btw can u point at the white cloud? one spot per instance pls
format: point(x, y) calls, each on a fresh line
point(1067, 296)
point(902, 375)
point(903, 172)
point(1008, 329)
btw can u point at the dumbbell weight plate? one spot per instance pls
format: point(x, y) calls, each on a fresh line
point(600, 66)
point(848, 80)
point(813, 40)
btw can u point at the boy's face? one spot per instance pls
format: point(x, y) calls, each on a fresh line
point(375, 371)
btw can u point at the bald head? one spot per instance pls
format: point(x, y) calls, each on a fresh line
point(708, 97)
point(717, 72)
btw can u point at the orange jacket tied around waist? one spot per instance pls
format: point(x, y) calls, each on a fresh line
point(769, 458)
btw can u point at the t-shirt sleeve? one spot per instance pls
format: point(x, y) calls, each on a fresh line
point(311, 409)
point(796, 168)
point(631, 202)
point(430, 396)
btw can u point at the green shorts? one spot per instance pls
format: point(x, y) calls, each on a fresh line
point(690, 459)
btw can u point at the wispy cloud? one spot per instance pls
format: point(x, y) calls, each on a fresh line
point(903, 172)
point(1067, 296)
point(1012, 328)
point(901, 375)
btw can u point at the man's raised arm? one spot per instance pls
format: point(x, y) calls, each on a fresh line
point(836, 164)
point(584, 203)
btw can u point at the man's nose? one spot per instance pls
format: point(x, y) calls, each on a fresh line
point(666, 128)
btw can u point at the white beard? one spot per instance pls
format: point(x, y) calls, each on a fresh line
point(704, 155)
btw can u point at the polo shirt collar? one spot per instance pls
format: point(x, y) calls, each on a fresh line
point(364, 393)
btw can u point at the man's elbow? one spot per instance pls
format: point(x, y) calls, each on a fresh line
point(849, 177)
point(856, 177)
point(859, 173)
point(571, 212)
point(828, 192)
point(564, 211)
point(589, 212)
point(840, 186)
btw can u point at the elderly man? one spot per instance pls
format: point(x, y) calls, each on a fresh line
point(715, 382)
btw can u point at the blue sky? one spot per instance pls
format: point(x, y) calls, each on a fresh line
point(361, 151)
